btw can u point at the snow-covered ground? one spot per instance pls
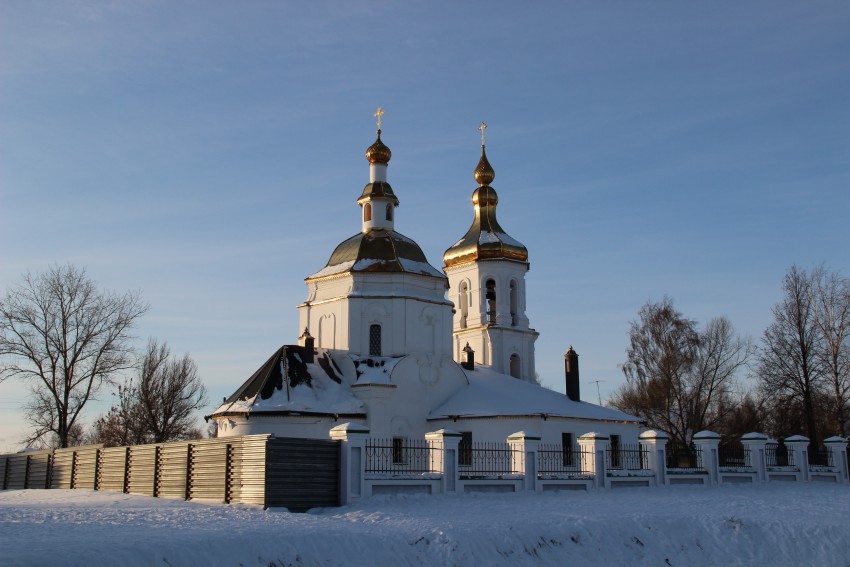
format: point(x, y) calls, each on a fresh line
point(776, 524)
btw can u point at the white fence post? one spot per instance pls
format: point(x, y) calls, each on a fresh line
point(799, 445)
point(755, 444)
point(837, 446)
point(708, 443)
point(524, 448)
point(655, 443)
point(443, 450)
point(596, 444)
point(352, 437)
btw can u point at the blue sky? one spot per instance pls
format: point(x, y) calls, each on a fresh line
point(210, 154)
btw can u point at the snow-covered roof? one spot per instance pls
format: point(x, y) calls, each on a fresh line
point(374, 369)
point(378, 251)
point(318, 387)
point(491, 394)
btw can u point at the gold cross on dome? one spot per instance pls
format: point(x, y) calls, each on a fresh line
point(482, 128)
point(378, 115)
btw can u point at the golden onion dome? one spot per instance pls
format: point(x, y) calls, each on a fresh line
point(484, 174)
point(485, 239)
point(378, 152)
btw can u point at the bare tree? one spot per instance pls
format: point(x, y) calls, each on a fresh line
point(67, 338)
point(156, 406)
point(169, 392)
point(721, 355)
point(790, 371)
point(832, 318)
point(662, 350)
point(124, 423)
point(746, 416)
point(679, 379)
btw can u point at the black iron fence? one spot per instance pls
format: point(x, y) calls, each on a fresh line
point(778, 455)
point(485, 460)
point(563, 460)
point(399, 456)
point(684, 458)
point(821, 457)
point(734, 455)
point(627, 457)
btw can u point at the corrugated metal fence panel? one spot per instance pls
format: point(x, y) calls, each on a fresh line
point(248, 469)
point(209, 466)
point(111, 470)
point(16, 471)
point(39, 469)
point(85, 468)
point(140, 476)
point(253, 469)
point(4, 462)
point(302, 473)
point(172, 470)
point(63, 468)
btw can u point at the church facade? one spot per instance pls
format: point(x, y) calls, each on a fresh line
point(392, 343)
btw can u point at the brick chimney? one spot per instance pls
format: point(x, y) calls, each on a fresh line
point(469, 363)
point(571, 371)
point(307, 341)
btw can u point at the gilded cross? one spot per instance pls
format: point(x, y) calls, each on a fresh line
point(482, 128)
point(378, 115)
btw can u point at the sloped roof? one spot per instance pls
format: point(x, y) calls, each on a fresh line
point(267, 377)
point(378, 251)
point(378, 190)
point(314, 388)
point(485, 239)
point(491, 394)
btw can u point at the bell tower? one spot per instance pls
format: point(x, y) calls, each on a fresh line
point(486, 270)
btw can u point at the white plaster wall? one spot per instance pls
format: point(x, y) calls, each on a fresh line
point(325, 313)
point(493, 345)
point(377, 172)
point(379, 215)
point(281, 426)
point(414, 315)
point(422, 383)
point(478, 341)
point(477, 274)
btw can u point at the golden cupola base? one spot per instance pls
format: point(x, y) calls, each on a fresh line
point(485, 239)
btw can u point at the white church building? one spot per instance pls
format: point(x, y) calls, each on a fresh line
point(390, 342)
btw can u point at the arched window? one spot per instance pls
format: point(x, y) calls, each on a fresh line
point(516, 370)
point(513, 303)
point(374, 340)
point(490, 297)
point(464, 304)
point(389, 211)
point(367, 212)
